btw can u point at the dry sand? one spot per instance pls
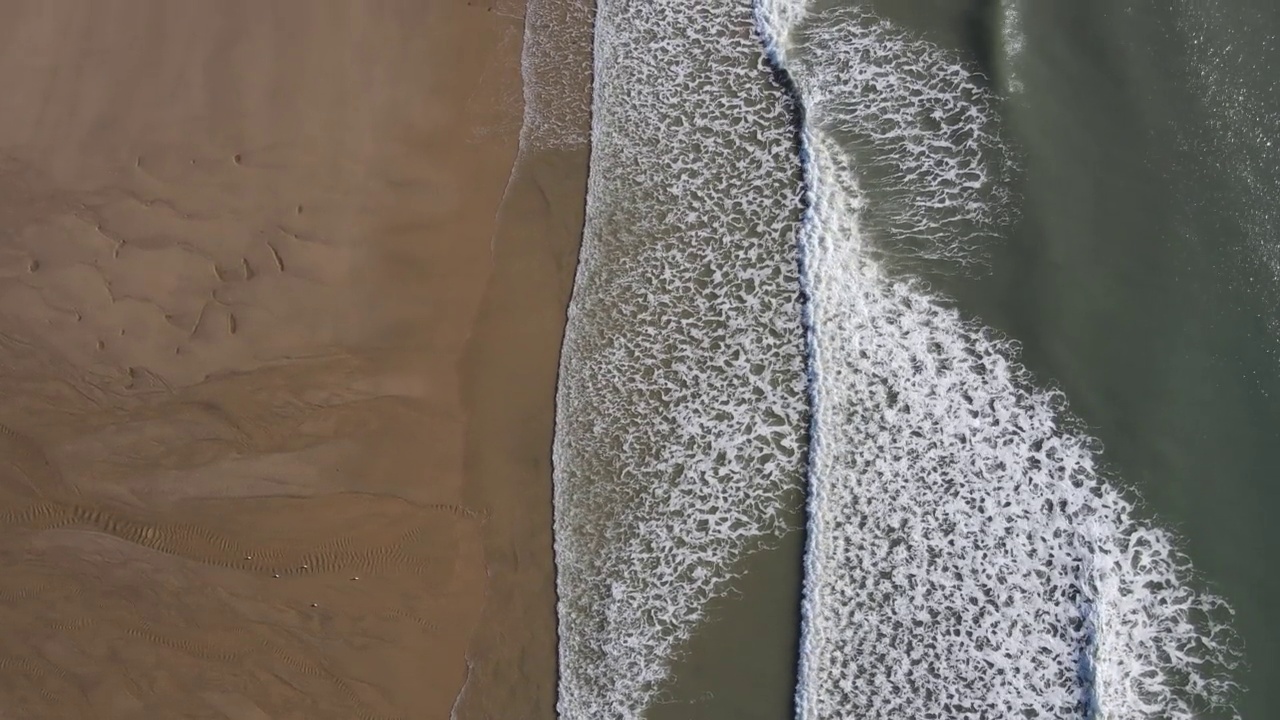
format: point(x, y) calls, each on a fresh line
point(275, 407)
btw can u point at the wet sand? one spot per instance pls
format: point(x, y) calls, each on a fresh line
point(510, 372)
point(277, 393)
point(509, 386)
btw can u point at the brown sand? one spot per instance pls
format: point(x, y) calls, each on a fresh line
point(254, 338)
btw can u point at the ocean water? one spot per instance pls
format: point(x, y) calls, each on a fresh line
point(989, 290)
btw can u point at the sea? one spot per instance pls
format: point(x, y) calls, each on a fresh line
point(923, 362)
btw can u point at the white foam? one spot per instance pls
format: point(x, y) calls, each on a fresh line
point(967, 558)
point(918, 120)
point(680, 409)
point(555, 61)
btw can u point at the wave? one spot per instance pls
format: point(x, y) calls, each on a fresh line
point(680, 421)
point(967, 556)
point(919, 122)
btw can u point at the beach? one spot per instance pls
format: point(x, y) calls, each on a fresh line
point(520, 359)
point(277, 362)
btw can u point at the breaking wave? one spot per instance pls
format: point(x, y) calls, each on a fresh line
point(917, 121)
point(967, 557)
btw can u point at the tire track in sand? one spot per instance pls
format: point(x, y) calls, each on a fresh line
point(370, 551)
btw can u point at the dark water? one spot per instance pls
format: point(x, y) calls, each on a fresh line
point(1136, 283)
point(1140, 278)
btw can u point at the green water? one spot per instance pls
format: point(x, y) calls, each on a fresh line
point(1135, 282)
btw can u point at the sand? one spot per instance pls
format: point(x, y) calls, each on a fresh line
point(509, 386)
point(277, 389)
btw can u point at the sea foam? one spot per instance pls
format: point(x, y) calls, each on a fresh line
point(967, 557)
point(917, 121)
point(680, 432)
point(555, 60)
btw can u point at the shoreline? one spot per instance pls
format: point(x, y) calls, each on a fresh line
point(510, 407)
point(511, 371)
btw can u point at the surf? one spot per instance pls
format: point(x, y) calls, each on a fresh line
point(680, 420)
point(968, 555)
